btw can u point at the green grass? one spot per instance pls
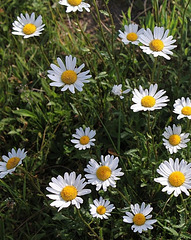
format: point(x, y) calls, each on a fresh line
point(42, 119)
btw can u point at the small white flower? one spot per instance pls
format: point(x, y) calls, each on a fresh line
point(174, 139)
point(67, 75)
point(159, 44)
point(10, 163)
point(75, 5)
point(67, 190)
point(140, 218)
point(131, 34)
point(84, 138)
point(117, 90)
point(176, 177)
point(101, 208)
point(182, 107)
point(148, 99)
point(27, 26)
point(105, 173)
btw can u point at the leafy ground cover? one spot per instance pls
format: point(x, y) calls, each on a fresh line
point(42, 118)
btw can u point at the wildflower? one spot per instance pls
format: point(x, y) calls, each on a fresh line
point(101, 208)
point(174, 139)
point(67, 190)
point(182, 107)
point(10, 163)
point(105, 173)
point(148, 99)
point(176, 177)
point(116, 90)
point(131, 34)
point(75, 5)
point(140, 218)
point(27, 26)
point(68, 76)
point(84, 138)
point(159, 44)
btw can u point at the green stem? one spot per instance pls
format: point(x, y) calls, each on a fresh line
point(88, 225)
point(185, 208)
point(123, 196)
point(119, 131)
point(160, 212)
point(156, 6)
point(183, 17)
point(154, 70)
point(42, 51)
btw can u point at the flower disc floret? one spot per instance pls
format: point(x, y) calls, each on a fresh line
point(156, 45)
point(84, 140)
point(12, 162)
point(176, 179)
point(186, 110)
point(69, 77)
point(148, 101)
point(103, 173)
point(174, 139)
point(69, 193)
point(75, 5)
point(74, 2)
point(132, 37)
point(29, 28)
point(182, 107)
point(139, 219)
point(101, 210)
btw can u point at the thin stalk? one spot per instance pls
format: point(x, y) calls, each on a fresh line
point(154, 70)
point(183, 17)
point(156, 6)
point(42, 51)
point(88, 225)
point(119, 131)
point(123, 196)
point(185, 208)
point(160, 212)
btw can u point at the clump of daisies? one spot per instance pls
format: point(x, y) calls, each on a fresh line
point(101, 208)
point(67, 190)
point(174, 139)
point(10, 162)
point(104, 173)
point(140, 217)
point(75, 5)
point(157, 43)
point(148, 99)
point(27, 26)
point(175, 176)
point(84, 138)
point(67, 75)
point(117, 90)
point(182, 107)
point(131, 34)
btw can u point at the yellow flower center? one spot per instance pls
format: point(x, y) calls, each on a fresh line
point(132, 36)
point(68, 193)
point(12, 162)
point(186, 110)
point(103, 173)
point(156, 45)
point(139, 219)
point(69, 77)
point(148, 101)
point(101, 210)
point(29, 28)
point(84, 140)
point(176, 179)
point(74, 2)
point(174, 139)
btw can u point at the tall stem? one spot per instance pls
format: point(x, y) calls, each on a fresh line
point(42, 51)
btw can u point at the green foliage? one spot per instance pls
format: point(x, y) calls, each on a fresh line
point(42, 119)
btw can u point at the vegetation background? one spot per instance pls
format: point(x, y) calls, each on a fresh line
point(42, 119)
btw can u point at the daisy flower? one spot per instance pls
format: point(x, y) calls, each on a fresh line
point(101, 208)
point(174, 139)
point(176, 177)
point(131, 34)
point(117, 90)
point(148, 99)
point(27, 26)
point(157, 44)
point(105, 173)
point(10, 163)
point(75, 5)
point(182, 107)
point(67, 190)
point(140, 218)
point(67, 75)
point(84, 138)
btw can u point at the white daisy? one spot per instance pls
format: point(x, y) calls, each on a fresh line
point(131, 34)
point(101, 208)
point(10, 163)
point(159, 44)
point(117, 90)
point(84, 138)
point(105, 173)
point(182, 107)
point(67, 75)
point(67, 190)
point(148, 99)
point(174, 139)
point(176, 177)
point(75, 5)
point(140, 217)
point(27, 26)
